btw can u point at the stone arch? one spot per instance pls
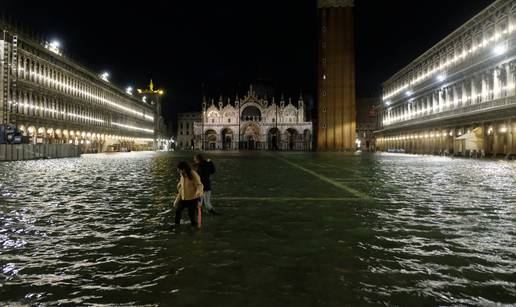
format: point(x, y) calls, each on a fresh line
point(210, 139)
point(292, 138)
point(251, 113)
point(227, 137)
point(273, 138)
point(251, 136)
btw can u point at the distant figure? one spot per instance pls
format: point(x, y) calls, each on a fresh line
point(205, 168)
point(192, 145)
point(190, 190)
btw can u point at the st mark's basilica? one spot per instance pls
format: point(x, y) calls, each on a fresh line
point(253, 123)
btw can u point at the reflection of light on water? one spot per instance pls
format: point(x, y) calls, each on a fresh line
point(10, 269)
point(93, 223)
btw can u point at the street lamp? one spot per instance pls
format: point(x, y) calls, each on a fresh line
point(155, 95)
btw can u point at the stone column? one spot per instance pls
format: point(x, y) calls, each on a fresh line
point(495, 140)
point(473, 91)
point(464, 95)
point(441, 100)
point(511, 87)
point(497, 88)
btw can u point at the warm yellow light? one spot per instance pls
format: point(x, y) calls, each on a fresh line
point(139, 91)
point(160, 92)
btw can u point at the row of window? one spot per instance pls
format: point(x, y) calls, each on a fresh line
point(480, 37)
point(33, 105)
point(479, 88)
point(55, 78)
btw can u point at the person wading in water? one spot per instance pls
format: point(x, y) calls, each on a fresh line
point(205, 168)
point(190, 190)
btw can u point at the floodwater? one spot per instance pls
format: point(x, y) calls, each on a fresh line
point(297, 229)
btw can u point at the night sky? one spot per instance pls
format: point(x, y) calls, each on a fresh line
point(226, 45)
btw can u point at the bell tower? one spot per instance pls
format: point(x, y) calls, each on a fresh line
point(336, 122)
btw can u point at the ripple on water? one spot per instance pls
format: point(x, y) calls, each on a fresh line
point(95, 230)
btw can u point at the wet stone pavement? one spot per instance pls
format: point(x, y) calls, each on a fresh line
point(297, 229)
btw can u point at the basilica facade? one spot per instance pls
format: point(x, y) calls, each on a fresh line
point(253, 123)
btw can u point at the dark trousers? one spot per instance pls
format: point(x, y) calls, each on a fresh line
point(191, 205)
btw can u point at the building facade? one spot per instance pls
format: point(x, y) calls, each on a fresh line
point(336, 120)
point(51, 99)
point(185, 138)
point(366, 123)
point(458, 97)
point(253, 123)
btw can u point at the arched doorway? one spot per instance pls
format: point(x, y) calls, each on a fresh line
point(251, 137)
point(210, 139)
point(251, 113)
point(227, 139)
point(273, 138)
point(292, 138)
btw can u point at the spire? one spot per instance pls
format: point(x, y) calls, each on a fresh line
point(151, 85)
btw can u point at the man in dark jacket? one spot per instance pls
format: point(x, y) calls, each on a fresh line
point(205, 169)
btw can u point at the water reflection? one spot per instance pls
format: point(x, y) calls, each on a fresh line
point(93, 231)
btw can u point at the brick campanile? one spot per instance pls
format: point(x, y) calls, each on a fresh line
point(336, 122)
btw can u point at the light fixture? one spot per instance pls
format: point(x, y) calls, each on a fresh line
point(104, 76)
point(499, 50)
point(441, 77)
point(408, 93)
point(54, 46)
point(129, 90)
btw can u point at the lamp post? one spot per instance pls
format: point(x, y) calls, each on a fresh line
point(155, 94)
